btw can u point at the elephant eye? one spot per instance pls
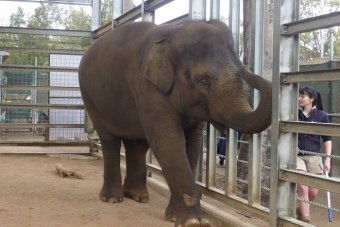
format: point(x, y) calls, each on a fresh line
point(204, 81)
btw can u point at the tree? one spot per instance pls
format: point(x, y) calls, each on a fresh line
point(77, 20)
point(106, 12)
point(18, 18)
point(41, 18)
point(316, 44)
point(46, 16)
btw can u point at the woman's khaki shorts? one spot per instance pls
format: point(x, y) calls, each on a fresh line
point(310, 164)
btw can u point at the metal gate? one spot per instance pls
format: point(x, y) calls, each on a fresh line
point(285, 124)
point(40, 101)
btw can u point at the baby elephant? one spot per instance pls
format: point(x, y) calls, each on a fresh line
point(152, 86)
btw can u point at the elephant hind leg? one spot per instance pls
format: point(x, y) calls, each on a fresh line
point(112, 190)
point(135, 180)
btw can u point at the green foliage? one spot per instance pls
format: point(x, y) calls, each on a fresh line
point(77, 20)
point(106, 12)
point(18, 18)
point(317, 43)
point(41, 18)
point(46, 16)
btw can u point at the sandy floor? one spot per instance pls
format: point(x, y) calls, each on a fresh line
point(32, 194)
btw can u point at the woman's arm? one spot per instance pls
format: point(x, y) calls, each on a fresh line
point(328, 151)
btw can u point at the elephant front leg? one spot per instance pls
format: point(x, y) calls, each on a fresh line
point(184, 207)
point(193, 135)
point(112, 190)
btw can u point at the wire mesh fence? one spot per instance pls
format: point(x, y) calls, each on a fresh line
point(40, 100)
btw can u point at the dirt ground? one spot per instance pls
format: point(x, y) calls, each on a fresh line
point(32, 194)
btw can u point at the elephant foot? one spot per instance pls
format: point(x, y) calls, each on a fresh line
point(140, 195)
point(193, 222)
point(170, 214)
point(111, 195)
point(187, 214)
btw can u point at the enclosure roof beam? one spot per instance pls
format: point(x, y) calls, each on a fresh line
point(311, 24)
point(54, 32)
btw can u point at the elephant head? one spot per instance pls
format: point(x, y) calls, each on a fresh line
point(195, 65)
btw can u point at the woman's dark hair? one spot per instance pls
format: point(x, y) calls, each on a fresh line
point(312, 93)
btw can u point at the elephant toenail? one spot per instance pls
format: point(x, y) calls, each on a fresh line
point(192, 222)
point(205, 223)
point(115, 200)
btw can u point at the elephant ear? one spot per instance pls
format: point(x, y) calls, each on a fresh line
point(158, 69)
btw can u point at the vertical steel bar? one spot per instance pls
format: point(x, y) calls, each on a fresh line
point(211, 158)
point(95, 21)
point(147, 15)
point(197, 9)
point(231, 153)
point(231, 164)
point(275, 114)
point(255, 154)
point(234, 22)
point(214, 9)
point(282, 194)
point(117, 10)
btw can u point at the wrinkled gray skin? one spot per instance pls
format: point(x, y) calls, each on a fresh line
point(152, 86)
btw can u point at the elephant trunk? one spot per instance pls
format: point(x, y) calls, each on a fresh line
point(257, 120)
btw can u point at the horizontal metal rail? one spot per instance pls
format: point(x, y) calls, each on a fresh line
point(308, 76)
point(38, 125)
point(155, 4)
point(179, 20)
point(39, 88)
point(310, 128)
point(38, 68)
point(49, 32)
point(234, 201)
point(334, 115)
point(129, 16)
point(40, 106)
point(49, 142)
point(310, 24)
point(317, 181)
point(102, 30)
point(136, 12)
point(47, 51)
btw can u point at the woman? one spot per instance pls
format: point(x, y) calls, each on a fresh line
point(311, 111)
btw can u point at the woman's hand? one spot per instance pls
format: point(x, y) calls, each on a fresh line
point(327, 164)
